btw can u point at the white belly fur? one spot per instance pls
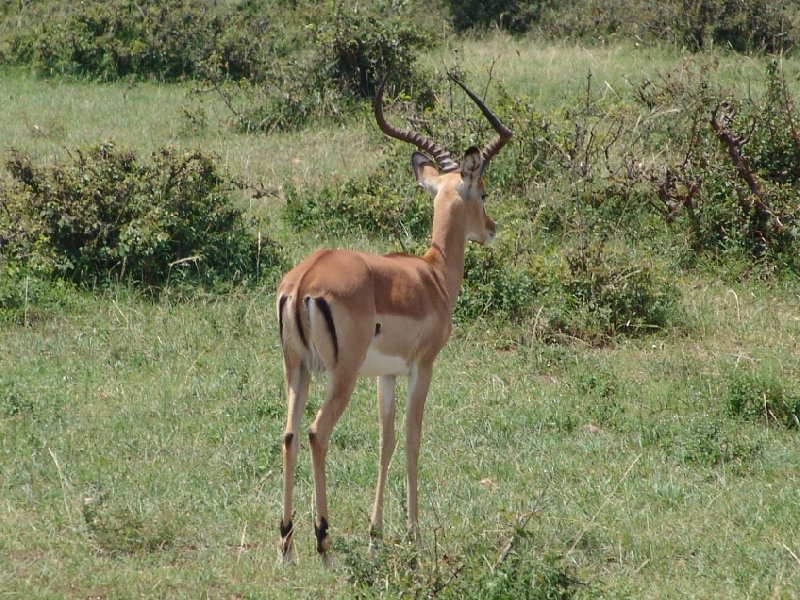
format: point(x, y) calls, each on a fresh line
point(383, 364)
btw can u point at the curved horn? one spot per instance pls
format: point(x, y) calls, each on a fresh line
point(440, 155)
point(503, 133)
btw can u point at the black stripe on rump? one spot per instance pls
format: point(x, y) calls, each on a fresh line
point(281, 304)
point(298, 317)
point(325, 309)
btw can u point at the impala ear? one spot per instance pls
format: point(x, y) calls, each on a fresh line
point(471, 166)
point(426, 172)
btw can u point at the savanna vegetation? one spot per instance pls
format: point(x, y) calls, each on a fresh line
point(618, 412)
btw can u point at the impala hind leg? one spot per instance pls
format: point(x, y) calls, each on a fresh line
point(386, 416)
point(297, 381)
point(418, 383)
point(340, 387)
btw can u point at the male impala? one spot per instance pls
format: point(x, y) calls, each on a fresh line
point(350, 314)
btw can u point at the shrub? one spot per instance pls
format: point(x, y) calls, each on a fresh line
point(493, 288)
point(286, 101)
point(733, 182)
point(106, 215)
point(380, 204)
point(706, 441)
point(168, 40)
point(742, 25)
point(621, 295)
point(352, 53)
point(519, 570)
point(26, 295)
point(356, 50)
point(515, 16)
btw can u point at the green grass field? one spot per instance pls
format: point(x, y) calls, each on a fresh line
point(140, 439)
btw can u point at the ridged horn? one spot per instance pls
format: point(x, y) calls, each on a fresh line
point(426, 144)
point(504, 134)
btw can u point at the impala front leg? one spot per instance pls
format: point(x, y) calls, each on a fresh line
point(418, 383)
point(386, 415)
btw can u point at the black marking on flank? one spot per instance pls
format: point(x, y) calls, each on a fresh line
point(321, 531)
point(325, 309)
point(311, 435)
point(298, 316)
point(287, 439)
point(281, 304)
point(377, 328)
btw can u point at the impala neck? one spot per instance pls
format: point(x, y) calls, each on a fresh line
point(448, 244)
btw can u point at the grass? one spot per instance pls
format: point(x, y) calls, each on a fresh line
point(556, 74)
point(140, 453)
point(44, 118)
point(140, 438)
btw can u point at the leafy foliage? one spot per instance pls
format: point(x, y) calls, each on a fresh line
point(731, 182)
point(515, 16)
point(376, 205)
point(352, 52)
point(706, 441)
point(356, 51)
point(615, 293)
point(287, 100)
point(743, 26)
point(245, 38)
point(107, 216)
point(493, 288)
point(164, 40)
point(750, 25)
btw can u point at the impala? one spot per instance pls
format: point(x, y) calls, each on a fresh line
point(352, 313)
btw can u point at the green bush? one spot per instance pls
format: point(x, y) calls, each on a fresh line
point(26, 295)
point(167, 41)
point(514, 16)
point(287, 101)
point(620, 294)
point(352, 53)
point(742, 25)
point(105, 215)
point(707, 441)
point(732, 181)
point(494, 289)
point(355, 51)
point(381, 204)
point(524, 573)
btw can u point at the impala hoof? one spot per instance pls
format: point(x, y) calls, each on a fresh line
point(323, 540)
point(287, 555)
point(328, 561)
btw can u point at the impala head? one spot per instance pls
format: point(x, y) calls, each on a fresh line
point(453, 185)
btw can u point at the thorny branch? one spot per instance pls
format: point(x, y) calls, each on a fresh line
point(756, 199)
